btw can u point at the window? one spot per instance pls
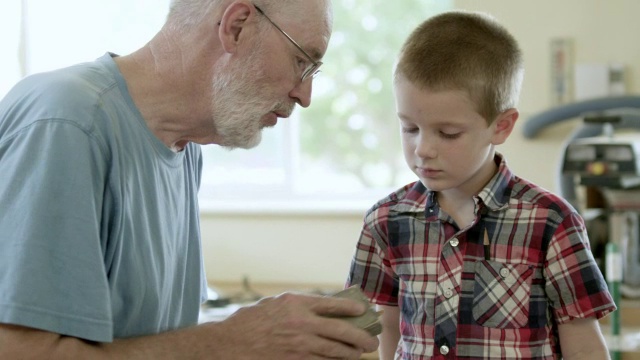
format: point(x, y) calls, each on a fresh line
point(42, 35)
point(343, 152)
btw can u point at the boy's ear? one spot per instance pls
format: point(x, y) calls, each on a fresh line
point(503, 125)
point(233, 23)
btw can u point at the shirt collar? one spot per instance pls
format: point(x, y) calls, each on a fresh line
point(495, 195)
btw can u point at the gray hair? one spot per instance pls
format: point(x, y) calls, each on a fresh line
point(187, 14)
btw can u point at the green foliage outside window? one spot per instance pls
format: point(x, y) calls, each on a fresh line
point(352, 124)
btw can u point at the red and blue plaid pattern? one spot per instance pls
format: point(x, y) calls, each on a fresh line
point(540, 272)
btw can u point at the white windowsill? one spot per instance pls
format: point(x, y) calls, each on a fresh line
point(290, 207)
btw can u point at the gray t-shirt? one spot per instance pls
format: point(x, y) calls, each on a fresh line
point(99, 231)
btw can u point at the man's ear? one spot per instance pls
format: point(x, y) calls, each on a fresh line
point(234, 21)
point(503, 125)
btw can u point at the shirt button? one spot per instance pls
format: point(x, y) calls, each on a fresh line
point(504, 272)
point(448, 293)
point(444, 349)
point(454, 242)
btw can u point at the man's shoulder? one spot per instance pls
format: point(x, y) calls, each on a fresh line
point(76, 95)
point(79, 85)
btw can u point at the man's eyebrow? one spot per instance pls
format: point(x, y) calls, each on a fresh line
point(315, 54)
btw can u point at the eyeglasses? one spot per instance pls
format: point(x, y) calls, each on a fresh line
point(311, 69)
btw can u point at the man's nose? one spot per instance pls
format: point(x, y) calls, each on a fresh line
point(302, 92)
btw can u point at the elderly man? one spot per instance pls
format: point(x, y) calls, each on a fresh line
point(100, 251)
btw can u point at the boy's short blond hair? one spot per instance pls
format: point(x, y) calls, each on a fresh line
point(467, 51)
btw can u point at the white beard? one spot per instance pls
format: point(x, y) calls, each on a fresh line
point(238, 102)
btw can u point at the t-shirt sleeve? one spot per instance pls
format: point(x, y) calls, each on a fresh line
point(575, 285)
point(370, 267)
point(52, 274)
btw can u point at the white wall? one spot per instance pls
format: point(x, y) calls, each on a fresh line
point(602, 31)
point(316, 249)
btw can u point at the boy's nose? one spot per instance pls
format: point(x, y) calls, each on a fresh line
point(426, 148)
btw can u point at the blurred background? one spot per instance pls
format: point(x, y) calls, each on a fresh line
point(290, 211)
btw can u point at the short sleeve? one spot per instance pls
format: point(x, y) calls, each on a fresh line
point(52, 273)
point(370, 267)
point(575, 285)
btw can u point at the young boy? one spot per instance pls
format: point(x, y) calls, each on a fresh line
point(473, 262)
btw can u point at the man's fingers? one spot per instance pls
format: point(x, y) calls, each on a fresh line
point(339, 330)
point(333, 349)
point(313, 322)
point(331, 306)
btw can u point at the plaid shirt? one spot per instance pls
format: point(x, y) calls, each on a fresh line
point(458, 302)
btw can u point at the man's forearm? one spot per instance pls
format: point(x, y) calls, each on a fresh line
point(289, 326)
point(199, 342)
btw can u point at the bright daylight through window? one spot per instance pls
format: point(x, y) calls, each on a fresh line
point(342, 150)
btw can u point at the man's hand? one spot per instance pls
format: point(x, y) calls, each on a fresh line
point(284, 327)
point(293, 326)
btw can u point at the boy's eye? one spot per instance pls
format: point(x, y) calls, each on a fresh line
point(409, 130)
point(449, 135)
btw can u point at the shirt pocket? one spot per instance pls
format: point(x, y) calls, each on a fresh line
point(501, 294)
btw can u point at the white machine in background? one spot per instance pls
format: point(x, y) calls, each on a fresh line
point(604, 162)
point(610, 163)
